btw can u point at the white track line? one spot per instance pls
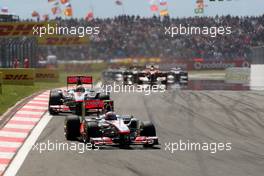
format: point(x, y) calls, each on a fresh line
point(27, 146)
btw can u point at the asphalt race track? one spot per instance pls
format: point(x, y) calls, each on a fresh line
point(197, 116)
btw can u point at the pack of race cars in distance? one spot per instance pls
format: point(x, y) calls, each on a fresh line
point(150, 75)
point(70, 99)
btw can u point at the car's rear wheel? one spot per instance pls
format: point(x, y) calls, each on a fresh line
point(72, 127)
point(104, 97)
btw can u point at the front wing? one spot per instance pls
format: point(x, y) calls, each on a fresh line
point(140, 140)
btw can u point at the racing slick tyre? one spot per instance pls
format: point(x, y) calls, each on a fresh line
point(54, 99)
point(52, 111)
point(148, 130)
point(164, 82)
point(92, 130)
point(137, 80)
point(72, 127)
point(104, 97)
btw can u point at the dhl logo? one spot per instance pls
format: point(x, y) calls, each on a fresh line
point(17, 77)
point(18, 29)
point(42, 75)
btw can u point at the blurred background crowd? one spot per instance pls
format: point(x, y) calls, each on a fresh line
point(134, 36)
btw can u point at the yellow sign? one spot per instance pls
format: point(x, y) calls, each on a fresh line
point(63, 40)
point(46, 75)
point(18, 76)
point(1, 81)
point(22, 28)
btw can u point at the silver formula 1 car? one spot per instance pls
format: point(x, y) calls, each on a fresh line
point(111, 129)
point(69, 100)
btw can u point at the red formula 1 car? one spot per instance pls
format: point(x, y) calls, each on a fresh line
point(70, 100)
point(151, 75)
point(111, 129)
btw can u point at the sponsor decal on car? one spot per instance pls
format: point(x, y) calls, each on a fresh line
point(91, 104)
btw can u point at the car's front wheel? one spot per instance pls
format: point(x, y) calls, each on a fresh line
point(72, 127)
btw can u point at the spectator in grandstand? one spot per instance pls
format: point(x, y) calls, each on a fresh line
point(16, 63)
point(133, 36)
point(26, 63)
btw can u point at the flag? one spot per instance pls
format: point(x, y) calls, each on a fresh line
point(55, 10)
point(56, 3)
point(68, 11)
point(68, 4)
point(45, 17)
point(152, 2)
point(119, 2)
point(64, 1)
point(4, 10)
point(164, 12)
point(35, 14)
point(89, 16)
point(163, 2)
point(154, 8)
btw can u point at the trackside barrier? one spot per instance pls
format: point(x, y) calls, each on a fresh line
point(238, 75)
point(1, 82)
point(18, 76)
point(46, 75)
point(257, 77)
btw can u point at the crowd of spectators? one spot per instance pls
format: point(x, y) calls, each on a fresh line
point(134, 36)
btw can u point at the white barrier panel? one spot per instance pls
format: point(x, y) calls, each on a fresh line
point(257, 77)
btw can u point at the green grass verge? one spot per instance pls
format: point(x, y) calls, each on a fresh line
point(11, 94)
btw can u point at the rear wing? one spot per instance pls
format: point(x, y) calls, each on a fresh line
point(79, 80)
point(94, 104)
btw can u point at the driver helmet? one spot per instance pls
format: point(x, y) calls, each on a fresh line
point(80, 89)
point(110, 116)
